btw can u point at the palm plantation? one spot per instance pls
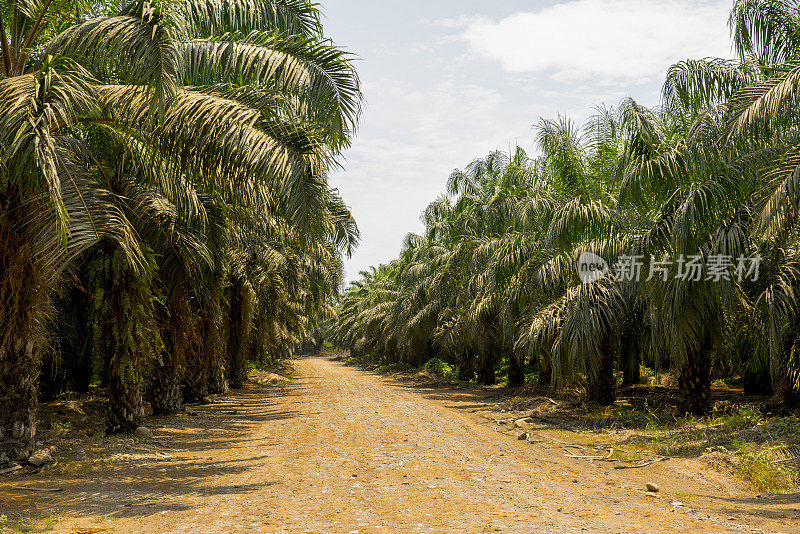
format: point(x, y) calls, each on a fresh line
point(164, 175)
point(180, 350)
point(709, 174)
point(167, 222)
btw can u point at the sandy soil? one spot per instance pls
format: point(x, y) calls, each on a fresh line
point(343, 450)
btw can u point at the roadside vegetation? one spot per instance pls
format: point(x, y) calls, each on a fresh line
point(702, 192)
point(165, 215)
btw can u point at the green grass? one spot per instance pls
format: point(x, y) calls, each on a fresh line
point(442, 370)
point(760, 466)
point(753, 440)
point(59, 427)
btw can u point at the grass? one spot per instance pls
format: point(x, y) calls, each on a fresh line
point(762, 467)
point(27, 526)
point(755, 444)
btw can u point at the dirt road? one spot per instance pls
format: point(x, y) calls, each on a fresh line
point(343, 451)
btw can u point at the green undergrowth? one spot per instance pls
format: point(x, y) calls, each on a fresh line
point(762, 449)
point(441, 370)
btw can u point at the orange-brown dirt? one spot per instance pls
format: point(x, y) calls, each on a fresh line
point(342, 450)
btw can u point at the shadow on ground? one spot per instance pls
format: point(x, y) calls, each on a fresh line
point(121, 476)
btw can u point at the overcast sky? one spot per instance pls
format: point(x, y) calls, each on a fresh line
point(448, 81)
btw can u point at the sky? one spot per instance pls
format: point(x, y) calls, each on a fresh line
point(448, 81)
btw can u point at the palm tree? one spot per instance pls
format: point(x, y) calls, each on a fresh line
point(730, 124)
point(575, 325)
point(125, 332)
point(51, 206)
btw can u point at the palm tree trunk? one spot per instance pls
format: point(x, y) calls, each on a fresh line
point(241, 317)
point(631, 357)
point(486, 369)
point(602, 382)
point(319, 341)
point(695, 379)
point(217, 383)
point(258, 340)
point(466, 367)
point(165, 391)
point(200, 364)
point(215, 355)
point(24, 303)
point(757, 380)
point(18, 401)
point(125, 410)
point(392, 355)
point(516, 370)
point(125, 333)
point(787, 394)
point(545, 370)
point(215, 348)
point(196, 378)
point(787, 386)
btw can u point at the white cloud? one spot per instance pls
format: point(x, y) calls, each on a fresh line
point(413, 135)
point(613, 42)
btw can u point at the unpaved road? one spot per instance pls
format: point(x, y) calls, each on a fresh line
point(343, 450)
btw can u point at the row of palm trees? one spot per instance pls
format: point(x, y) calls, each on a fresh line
point(165, 215)
point(708, 180)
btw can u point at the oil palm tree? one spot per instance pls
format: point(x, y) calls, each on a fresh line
point(728, 125)
point(576, 324)
point(52, 209)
